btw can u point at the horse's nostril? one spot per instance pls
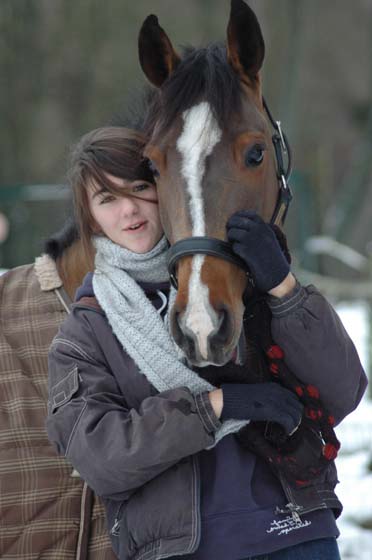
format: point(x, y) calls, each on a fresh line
point(223, 327)
point(177, 317)
point(177, 326)
point(183, 337)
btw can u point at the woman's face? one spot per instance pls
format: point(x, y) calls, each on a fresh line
point(132, 220)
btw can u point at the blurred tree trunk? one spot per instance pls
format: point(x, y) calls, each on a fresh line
point(19, 26)
point(349, 217)
point(290, 68)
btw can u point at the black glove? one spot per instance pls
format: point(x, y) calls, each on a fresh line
point(261, 402)
point(256, 243)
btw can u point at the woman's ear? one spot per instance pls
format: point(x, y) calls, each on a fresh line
point(95, 228)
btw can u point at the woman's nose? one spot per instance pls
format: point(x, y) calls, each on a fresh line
point(128, 205)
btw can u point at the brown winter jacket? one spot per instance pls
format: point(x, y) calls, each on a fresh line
point(139, 449)
point(46, 510)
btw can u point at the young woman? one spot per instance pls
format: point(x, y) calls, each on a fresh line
point(170, 491)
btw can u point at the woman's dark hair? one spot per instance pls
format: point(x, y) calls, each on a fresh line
point(111, 150)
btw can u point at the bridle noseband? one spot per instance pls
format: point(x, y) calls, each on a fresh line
point(222, 249)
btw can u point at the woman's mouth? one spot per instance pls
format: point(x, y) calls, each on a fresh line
point(137, 227)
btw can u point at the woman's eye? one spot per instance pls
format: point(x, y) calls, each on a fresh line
point(254, 156)
point(142, 187)
point(107, 198)
point(154, 170)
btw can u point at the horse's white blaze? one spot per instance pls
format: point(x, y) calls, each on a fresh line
point(199, 136)
point(200, 317)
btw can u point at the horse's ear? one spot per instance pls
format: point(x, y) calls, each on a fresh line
point(245, 44)
point(157, 57)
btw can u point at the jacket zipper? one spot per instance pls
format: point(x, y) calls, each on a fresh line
point(115, 529)
point(196, 490)
point(292, 507)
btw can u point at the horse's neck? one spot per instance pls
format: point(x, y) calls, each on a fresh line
point(73, 265)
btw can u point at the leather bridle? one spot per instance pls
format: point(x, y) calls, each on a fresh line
point(222, 249)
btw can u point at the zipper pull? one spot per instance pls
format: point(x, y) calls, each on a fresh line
point(296, 518)
point(293, 509)
point(115, 528)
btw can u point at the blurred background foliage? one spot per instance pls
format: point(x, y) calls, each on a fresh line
point(68, 66)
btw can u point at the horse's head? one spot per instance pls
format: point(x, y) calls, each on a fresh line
point(212, 152)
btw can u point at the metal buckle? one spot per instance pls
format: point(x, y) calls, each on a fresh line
point(284, 146)
point(284, 182)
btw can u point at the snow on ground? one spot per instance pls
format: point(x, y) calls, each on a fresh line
point(355, 319)
point(354, 463)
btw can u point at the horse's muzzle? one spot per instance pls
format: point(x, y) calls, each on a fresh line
point(201, 347)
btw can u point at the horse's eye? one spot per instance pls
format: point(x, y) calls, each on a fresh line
point(154, 170)
point(254, 156)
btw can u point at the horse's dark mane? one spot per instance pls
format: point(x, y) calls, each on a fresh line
point(203, 74)
point(57, 243)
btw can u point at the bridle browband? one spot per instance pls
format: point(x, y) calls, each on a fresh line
point(222, 249)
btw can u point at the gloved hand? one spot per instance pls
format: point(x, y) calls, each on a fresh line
point(262, 402)
point(256, 243)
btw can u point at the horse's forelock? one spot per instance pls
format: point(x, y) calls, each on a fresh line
point(203, 75)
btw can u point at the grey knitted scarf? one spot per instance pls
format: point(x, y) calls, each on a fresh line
point(137, 324)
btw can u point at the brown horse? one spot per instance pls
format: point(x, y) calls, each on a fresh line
point(212, 152)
